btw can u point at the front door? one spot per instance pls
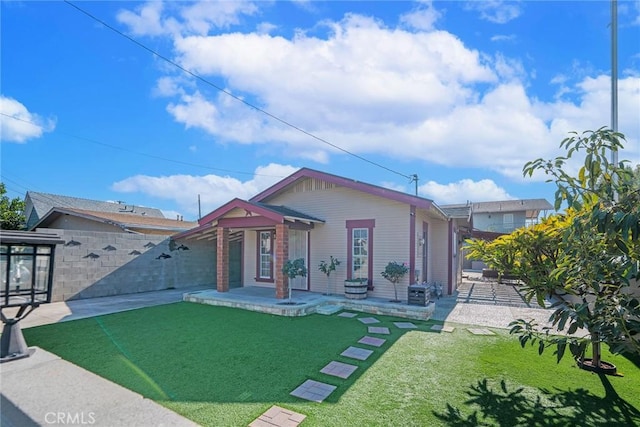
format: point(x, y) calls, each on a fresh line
point(299, 248)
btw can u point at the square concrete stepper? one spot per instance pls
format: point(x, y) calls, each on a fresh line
point(357, 353)
point(314, 391)
point(347, 314)
point(442, 328)
point(368, 320)
point(376, 342)
point(405, 325)
point(280, 417)
point(379, 330)
point(339, 369)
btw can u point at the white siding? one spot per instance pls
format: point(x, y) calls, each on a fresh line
point(336, 205)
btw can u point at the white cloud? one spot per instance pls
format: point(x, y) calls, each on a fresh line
point(214, 190)
point(17, 124)
point(496, 11)
point(422, 17)
point(153, 19)
point(418, 95)
point(463, 191)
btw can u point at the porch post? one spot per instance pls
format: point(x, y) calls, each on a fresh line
point(222, 261)
point(282, 254)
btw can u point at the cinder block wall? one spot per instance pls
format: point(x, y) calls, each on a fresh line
point(96, 264)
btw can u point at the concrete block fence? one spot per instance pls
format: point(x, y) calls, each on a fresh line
point(94, 264)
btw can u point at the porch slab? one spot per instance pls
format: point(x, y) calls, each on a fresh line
point(262, 299)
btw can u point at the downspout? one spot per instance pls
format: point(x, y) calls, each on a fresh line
point(450, 259)
point(412, 245)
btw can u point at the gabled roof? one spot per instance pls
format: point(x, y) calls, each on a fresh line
point(419, 202)
point(127, 222)
point(275, 214)
point(44, 202)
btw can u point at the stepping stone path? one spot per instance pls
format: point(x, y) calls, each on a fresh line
point(405, 325)
point(376, 342)
point(314, 391)
point(480, 331)
point(442, 328)
point(357, 353)
point(280, 417)
point(347, 314)
point(368, 320)
point(339, 369)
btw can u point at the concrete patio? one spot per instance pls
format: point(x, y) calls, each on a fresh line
point(260, 299)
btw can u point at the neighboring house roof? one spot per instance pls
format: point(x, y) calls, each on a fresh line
point(529, 205)
point(419, 202)
point(457, 211)
point(39, 204)
point(127, 222)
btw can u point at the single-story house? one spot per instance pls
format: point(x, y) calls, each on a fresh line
point(315, 215)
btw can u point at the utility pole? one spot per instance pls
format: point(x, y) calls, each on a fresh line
point(414, 178)
point(199, 209)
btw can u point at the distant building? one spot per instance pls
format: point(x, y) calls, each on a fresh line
point(504, 216)
point(37, 205)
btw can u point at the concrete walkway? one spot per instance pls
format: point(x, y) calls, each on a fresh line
point(46, 390)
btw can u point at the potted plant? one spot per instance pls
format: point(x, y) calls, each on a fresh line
point(293, 269)
point(327, 268)
point(356, 288)
point(394, 272)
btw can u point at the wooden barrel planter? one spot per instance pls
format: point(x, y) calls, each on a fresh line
point(356, 288)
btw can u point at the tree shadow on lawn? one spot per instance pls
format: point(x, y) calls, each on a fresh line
point(501, 406)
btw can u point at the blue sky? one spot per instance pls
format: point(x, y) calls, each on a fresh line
point(462, 94)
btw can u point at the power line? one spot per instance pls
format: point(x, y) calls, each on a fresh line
point(139, 153)
point(228, 93)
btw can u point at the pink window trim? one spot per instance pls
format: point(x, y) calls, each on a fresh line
point(360, 223)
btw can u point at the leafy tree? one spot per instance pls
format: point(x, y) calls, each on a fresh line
point(11, 211)
point(328, 267)
point(293, 269)
point(589, 260)
point(394, 272)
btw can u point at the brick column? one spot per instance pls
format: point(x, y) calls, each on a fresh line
point(222, 261)
point(282, 254)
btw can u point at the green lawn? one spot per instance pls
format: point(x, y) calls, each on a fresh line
point(224, 367)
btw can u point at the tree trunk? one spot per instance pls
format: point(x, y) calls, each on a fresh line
point(595, 346)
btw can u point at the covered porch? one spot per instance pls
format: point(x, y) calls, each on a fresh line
point(252, 242)
point(264, 300)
